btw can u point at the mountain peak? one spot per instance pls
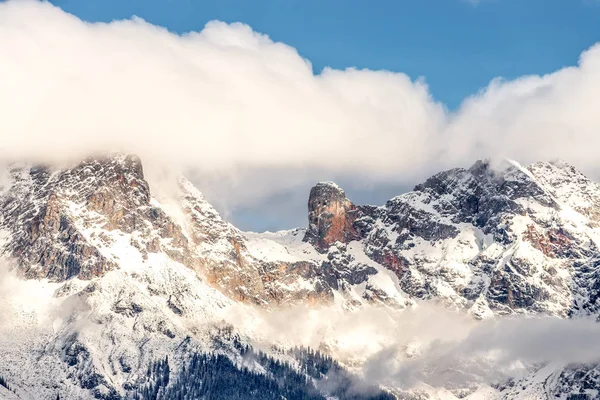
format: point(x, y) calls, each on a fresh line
point(330, 216)
point(63, 221)
point(328, 184)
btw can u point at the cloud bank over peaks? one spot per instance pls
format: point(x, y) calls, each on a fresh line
point(248, 118)
point(220, 99)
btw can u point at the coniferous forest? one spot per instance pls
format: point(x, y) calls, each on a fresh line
point(216, 377)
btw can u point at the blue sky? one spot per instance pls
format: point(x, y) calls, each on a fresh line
point(457, 46)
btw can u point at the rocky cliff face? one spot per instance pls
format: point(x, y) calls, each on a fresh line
point(331, 217)
point(57, 221)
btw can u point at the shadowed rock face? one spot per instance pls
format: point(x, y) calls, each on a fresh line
point(331, 217)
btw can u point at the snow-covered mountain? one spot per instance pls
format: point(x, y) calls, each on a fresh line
point(102, 279)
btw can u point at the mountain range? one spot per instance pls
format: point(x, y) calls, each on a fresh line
point(111, 290)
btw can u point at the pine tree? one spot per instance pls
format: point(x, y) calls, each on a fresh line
point(4, 383)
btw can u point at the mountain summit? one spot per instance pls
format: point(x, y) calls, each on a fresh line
point(331, 216)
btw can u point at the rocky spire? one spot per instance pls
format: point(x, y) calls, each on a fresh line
point(331, 216)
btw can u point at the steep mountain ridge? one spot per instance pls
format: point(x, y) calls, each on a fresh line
point(64, 223)
point(124, 281)
point(494, 241)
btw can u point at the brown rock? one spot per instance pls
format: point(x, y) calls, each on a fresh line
point(331, 217)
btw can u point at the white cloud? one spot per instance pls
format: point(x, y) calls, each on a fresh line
point(247, 116)
point(533, 117)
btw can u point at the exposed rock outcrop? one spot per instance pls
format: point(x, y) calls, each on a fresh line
point(331, 217)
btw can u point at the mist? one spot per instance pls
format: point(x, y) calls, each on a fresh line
point(492, 351)
point(426, 344)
